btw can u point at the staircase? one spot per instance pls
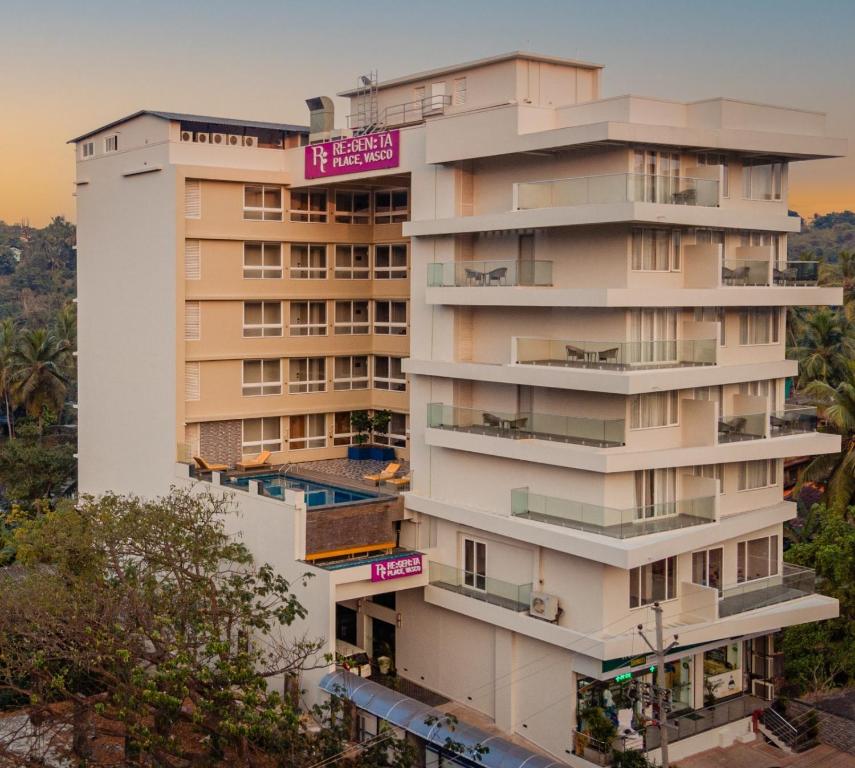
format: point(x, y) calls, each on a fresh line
point(792, 735)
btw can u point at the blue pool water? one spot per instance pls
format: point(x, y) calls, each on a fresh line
point(317, 494)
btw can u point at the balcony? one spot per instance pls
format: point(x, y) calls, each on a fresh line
point(796, 273)
point(749, 426)
point(616, 188)
point(602, 433)
point(514, 597)
point(795, 420)
point(608, 521)
point(615, 355)
point(793, 582)
point(792, 421)
point(744, 272)
point(489, 274)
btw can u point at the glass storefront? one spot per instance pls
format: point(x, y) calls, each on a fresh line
point(722, 672)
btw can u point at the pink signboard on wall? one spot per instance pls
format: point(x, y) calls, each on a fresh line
point(357, 154)
point(396, 567)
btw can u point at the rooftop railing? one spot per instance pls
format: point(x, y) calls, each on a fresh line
point(795, 273)
point(489, 274)
point(793, 582)
point(400, 114)
point(603, 433)
point(514, 597)
point(616, 188)
point(663, 353)
point(608, 521)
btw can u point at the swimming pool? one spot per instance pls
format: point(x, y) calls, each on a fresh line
point(317, 494)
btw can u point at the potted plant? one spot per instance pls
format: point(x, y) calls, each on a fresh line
point(365, 425)
point(602, 733)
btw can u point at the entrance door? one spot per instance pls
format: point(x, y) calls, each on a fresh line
point(383, 640)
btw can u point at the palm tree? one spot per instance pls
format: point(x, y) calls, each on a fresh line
point(841, 272)
point(8, 344)
point(825, 346)
point(38, 379)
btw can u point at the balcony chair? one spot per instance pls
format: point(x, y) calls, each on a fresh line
point(732, 428)
point(259, 462)
point(474, 276)
point(785, 276)
point(389, 472)
point(491, 421)
point(498, 276)
point(607, 355)
point(206, 466)
point(575, 354)
point(518, 423)
point(685, 197)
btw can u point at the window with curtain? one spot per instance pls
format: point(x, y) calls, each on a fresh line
point(757, 474)
point(654, 334)
point(655, 250)
point(653, 409)
point(759, 326)
point(655, 492)
point(653, 582)
point(762, 180)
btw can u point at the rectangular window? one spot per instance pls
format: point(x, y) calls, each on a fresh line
point(352, 206)
point(307, 374)
point(308, 205)
point(262, 318)
point(757, 474)
point(351, 373)
point(759, 326)
point(475, 564)
point(308, 318)
point(653, 582)
point(390, 317)
point(388, 374)
point(88, 149)
point(707, 568)
point(655, 492)
point(308, 261)
point(762, 181)
point(458, 94)
point(307, 431)
point(395, 434)
point(653, 409)
point(262, 435)
point(262, 377)
point(343, 433)
point(656, 250)
point(390, 261)
point(351, 262)
point(262, 261)
point(262, 203)
point(111, 143)
point(757, 558)
point(192, 321)
point(351, 318)
point(391, 206)
point(717, 158)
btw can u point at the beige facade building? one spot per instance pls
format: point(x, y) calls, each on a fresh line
point(574, 307)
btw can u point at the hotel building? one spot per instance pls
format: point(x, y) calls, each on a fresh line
point(574, 308)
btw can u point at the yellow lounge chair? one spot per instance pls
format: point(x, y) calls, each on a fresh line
point(258, 462)
point(206, 467)
point(390, 471)
point(401, 483)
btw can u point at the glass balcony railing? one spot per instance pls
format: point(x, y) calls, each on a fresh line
point(609, 521)
point(669, 353)
point(514, 597)
point(744, 272)
point(617, 188)
point(489, 274)
point(750, 426)
point(795, 273)
point(791, 583)
point(603, 433)
point(792, 421)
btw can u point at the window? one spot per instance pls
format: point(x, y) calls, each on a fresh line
point(757, 558)
point(388, 374)
point(351, 262)
point(657, 176)
point(707, 568)
point(390, 317)
point(307, 374)
point(262, 318)
point(352, 207)
point(262, 435)
point(351, 373)
point(192, 321)
point(653, 582)
point(475, 564)
point(716, 158)
point(757, 474)
point(390, 261)
point(343, 433)
point(308, 261)
point(351, 318)
point(713, 471)
point(759, 326)
point(773, 240)
point(262, 203)
point(762, 181)
point(653, 333)
point(656, 250)
point(192, 260)
point(458, 94)
point(262, 377)
point(395, 434)
point(655, 492)
point(111, 143)
point(262, 260)
point(391, 206)
point(88, 149)
point(308, 318)
point(654, 409)
point(308, 431)
point(308, 205)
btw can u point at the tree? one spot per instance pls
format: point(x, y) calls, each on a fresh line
point(824, 346)
point(8, 345)
point(39, 381)
point(32, 469)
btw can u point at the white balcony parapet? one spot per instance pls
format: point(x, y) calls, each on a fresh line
point(614, 355)
point(489, 273)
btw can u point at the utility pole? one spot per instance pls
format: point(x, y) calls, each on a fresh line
point(660, 650)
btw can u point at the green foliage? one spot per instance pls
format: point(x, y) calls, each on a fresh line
point(599, 727)
point(360, 422)
point(630, 759)
point(825, 237)
point(33, 469)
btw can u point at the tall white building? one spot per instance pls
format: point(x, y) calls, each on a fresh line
point(593, 292)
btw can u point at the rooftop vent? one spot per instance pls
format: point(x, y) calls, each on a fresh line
point(321, 118)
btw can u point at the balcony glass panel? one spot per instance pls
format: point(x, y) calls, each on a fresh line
point(744, 272)
point(489, 274)
point(617, 354)
point(793, 582)
point(609, 521)
point(792, 421)
point(603, 433)
point(796, 273)
point(750, 426)
point(515, 597)
point(617, 188)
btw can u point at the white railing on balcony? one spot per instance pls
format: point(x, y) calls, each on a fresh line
point(402, 114)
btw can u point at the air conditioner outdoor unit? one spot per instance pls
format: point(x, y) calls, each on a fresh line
point(543, 606)
point(218, 138)
point(203, 138)
point(763, 689)
point(186, 135)
point(233, 140)
point(250, 141)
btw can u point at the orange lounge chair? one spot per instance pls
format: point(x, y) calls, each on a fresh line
point(390, 471)
point(259, 462)
point(206, 467)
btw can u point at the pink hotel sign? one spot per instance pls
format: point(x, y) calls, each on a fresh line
point(396, 567)
point(371, 152)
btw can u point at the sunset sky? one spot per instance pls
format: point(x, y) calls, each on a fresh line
point(66, 67)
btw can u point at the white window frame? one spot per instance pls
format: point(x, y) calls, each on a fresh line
point(352, 327)
point(777, 172)
point(394, 215)
point(266, 330)
point(749, 326)
point(390, 327)
point(391, 271)
point(351, 382)
point(343, 438)
point(302, 386)
point(351, 216)
point(111, 143)
point(264, 213)
point(308, 214)
point(257, 446)
point(310, 441)
point(472, 564)
point(671, 410)
point(87, 149)
point(263, 271)
point(392, 438)
point(767, 470)
point(389, 383)
point(458, 91)
point(742, 563)
point(310, 329)
point(635, 574)
point(351, 271)
point(310, 271)
point(262, 388)
point(705, 577)
point(643, 238)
